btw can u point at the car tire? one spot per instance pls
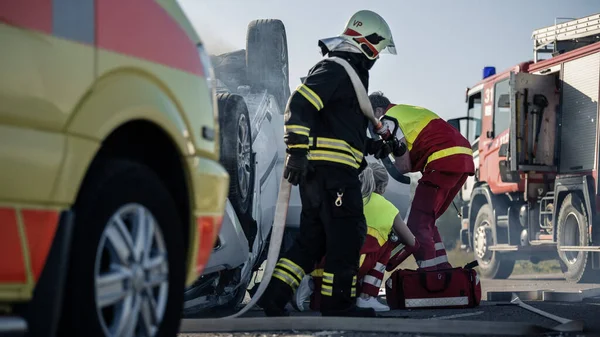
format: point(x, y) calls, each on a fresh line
point(267, 58)
point(122, 202)
point(491, 264)
point(236, 151)
point(572, 230)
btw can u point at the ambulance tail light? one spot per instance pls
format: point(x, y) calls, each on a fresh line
point(489, 71)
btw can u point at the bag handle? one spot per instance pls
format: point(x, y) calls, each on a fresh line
point(423, 277)
point(471, 264)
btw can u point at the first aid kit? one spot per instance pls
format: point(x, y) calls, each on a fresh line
point(448, 288)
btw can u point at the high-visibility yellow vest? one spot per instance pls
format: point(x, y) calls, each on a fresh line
point(380, 214)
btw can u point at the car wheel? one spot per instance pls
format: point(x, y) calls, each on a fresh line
point(267, 58)
point(127, 269)
point(491, 264)
point(572, 230)
point(236, 151)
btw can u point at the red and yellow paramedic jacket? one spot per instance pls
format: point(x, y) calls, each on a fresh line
point(433, 144)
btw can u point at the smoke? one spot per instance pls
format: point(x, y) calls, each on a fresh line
point(215, 44)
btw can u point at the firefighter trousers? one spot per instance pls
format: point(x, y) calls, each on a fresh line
point(332, 224)
point(435, 192)
point(373, 261)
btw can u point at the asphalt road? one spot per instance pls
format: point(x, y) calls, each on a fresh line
point(495, 317)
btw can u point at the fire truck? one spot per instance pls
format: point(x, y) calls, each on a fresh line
point(535, 136)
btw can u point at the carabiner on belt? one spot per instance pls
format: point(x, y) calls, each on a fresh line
point(338, 201)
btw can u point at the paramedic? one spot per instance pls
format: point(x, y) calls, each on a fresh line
point(383, 219)
point(445, 159)
point(325, 134)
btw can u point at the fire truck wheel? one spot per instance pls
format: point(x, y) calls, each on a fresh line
point(491, 264)
point(572, 230)
point(127, 269)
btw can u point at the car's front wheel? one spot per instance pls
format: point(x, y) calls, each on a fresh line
point(127, 269)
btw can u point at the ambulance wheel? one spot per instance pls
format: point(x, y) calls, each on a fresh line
point(127, 263)
point(267, 59)
point(236, 151)
point(572, 230)
point(492, 265)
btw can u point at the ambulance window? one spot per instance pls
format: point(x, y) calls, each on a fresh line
point(474, 122)
point(501, 107)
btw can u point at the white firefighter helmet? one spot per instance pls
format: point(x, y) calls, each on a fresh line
point(366, 30)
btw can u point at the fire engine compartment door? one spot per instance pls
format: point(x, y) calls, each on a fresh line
point(529, 121)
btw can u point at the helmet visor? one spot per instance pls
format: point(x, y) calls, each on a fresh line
point(390, 48)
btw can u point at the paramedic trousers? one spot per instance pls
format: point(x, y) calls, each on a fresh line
point(332, 224)
point(373, 260)
point(433, 195)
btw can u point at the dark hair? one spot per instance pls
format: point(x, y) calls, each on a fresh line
point(378, 100)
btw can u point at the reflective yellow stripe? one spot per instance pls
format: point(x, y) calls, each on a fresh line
point(298, 129)
point(328, 277)
point(353, 292)
point(317, 273)
point(311, 96)
point(354, 280)
point(331, 156)
point(298, 146)
point(326, 290)
point(295, 269)
point(449, 152)
point(375, 233)
point(338, 144)
point(286, 278)
point(362, 259)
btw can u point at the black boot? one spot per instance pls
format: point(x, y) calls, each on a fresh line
point(342, 299)
point(274, 299)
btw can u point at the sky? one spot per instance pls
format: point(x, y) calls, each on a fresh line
point(443, 45)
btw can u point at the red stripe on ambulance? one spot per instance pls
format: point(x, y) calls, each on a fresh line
point(143, 29)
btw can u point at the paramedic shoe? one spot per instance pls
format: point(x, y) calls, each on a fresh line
point(371, 302)
point(303, 293)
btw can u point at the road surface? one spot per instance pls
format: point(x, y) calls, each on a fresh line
point(506, 318)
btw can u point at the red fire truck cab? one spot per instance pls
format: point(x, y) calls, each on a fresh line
point(534, 130)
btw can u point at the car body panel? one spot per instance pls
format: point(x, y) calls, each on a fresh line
point(71, 75)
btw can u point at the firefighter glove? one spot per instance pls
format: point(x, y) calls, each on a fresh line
point(296, 167)
point(379, 148)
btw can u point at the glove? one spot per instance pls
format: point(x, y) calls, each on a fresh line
point(296, 167)
point(398, 149)
point(379, 148)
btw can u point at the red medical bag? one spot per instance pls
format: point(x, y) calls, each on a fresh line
point(448, 288)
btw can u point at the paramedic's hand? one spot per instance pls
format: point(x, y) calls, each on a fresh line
point(398, 148)
point(296, 166)
point(383, 130)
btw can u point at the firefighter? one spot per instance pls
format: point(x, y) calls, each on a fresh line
point(325, 134)
point(383, 221)
point(445, 159)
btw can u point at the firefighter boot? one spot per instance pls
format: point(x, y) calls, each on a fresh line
point(338, 298)
point(275, 298)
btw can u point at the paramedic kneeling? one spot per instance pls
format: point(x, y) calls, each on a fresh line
point(382, 217)
point(444, 157)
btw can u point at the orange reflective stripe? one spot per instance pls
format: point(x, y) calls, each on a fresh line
point(12, 262)
point(40, 228)
point(449, 152)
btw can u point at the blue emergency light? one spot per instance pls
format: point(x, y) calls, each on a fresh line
point(489, 71)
